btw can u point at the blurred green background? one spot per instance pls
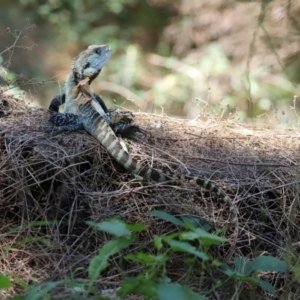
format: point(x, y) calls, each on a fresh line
point(183, 57)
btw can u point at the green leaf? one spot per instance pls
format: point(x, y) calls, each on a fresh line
point(189, 236)
point(208, 238)
point(186, 247)
point(266, 263)
point(32, 224)
point(170, 237)
point(204, 237)
point(233, 274)
point(166, 217)
point(147, 259)
point(192, 222)
point(240, 264)
point(38, 292)
point(157, 242)
point(100, 261)
point(137, 285)
point(4, 282)
point(236, 275)
point(33, 239)
point(267, 286)
point(167, 291)
point(42, 223)
point(113, 226)
point(137, 227)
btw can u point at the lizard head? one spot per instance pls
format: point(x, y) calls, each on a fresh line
point(89, 62)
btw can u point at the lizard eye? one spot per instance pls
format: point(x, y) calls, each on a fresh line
point(98, 51)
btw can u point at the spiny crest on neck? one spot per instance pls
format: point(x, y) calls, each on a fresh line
point(75, 72)
point(73, 63)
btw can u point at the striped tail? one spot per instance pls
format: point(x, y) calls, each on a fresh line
point(95, 125)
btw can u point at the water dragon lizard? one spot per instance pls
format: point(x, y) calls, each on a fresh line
point(119, 121)
point(82, 110)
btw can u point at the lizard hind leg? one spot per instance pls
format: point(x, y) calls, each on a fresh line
point(120, 123)
point(126, 130)
point(65, 122)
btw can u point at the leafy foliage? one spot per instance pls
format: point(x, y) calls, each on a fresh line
point(244, 268)
point(153, 281)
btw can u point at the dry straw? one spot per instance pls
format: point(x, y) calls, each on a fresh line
point(69, 178)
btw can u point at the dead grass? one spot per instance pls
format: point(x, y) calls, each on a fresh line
point(68, 178)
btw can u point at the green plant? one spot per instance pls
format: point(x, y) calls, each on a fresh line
point(153, 282)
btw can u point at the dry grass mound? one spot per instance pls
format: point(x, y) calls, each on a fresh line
point(68, 178)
